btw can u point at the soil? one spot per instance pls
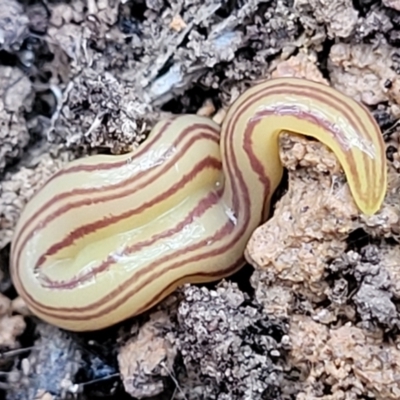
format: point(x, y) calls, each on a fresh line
point(315, 314)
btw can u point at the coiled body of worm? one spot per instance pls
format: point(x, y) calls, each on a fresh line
point(107, 237)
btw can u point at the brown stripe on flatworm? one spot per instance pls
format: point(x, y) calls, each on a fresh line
point(206, 163)
point(152, 270)
point(132, 179)
point(225, 239)
point(90, 201)
point(290, 90)
point(130, 283)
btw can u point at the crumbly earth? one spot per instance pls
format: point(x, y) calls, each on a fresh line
point(147, 358)
point(340, 295)
point(15, 95)
point(316, 313)
point(50, 367)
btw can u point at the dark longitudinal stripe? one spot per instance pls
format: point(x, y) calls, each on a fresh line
point(83, 231)
point(207, 162)
point(79, 316)
point(152, 271)
point(191, 278)
point(291, 91)
point(249, 145)
point(90, 191)
point(108, 165)
point(321, 96)
point(114, 164)
point(211, 199)
point(233, 230)
point(113, 300)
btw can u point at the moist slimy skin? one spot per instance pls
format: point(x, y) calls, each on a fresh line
point(108, 237)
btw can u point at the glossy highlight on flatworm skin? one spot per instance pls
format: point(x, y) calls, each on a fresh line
point(108, 237)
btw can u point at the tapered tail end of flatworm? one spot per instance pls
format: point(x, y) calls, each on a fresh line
point(349, 130)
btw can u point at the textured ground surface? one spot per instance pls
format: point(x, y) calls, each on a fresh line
point(316, 314)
